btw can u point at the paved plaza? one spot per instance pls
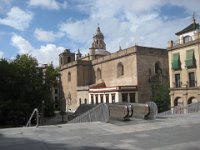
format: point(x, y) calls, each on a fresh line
point(181, 132)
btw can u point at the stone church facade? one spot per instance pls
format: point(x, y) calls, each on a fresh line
point(103, 77)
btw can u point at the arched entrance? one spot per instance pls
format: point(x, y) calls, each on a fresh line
point(192, 100)
point(178, 101)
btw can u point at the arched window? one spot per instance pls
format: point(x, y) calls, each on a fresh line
point(61, 61)
point(157, 68)
point(120, 69)
point(98, 74)
point(69, 76)
point(69, 59)
point(187, 38)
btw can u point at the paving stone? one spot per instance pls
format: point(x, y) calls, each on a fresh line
point(173, 132)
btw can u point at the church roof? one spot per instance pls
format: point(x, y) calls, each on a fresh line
point(189, 28)
point(98, 85)
point(98, 32)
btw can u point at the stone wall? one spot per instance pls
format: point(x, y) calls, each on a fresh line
point(146, 59)
point(69, 87)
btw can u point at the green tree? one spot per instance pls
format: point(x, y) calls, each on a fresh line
point(23, 89)
point(161, 96)
point(51, 75)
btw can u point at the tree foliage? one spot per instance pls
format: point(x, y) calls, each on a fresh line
point(22, 88)
point(51, 75)
point(161, 96)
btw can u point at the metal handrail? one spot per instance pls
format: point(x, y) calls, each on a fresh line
point(190, 108)
point(35, 111)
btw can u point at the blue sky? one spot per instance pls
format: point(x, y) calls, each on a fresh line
point(44, 28)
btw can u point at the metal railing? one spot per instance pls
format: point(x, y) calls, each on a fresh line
point(184, 40)
point(98, 113)
point(35, 111)
point(191, 108)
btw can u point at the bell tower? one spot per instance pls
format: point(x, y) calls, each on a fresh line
point(98, 48)
point(66, 57)
point(98, 40)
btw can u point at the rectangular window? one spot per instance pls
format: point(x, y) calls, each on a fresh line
point(101, 96)
point(187, 39)
point(96, 97)
point(113, 98)
point(56, 91)
point(177, 80)
point(191, 79)
point(107, 98)
point(176, 61)
point(190, 59)
point(132, 97)
point(124, 97)
point(92, 99)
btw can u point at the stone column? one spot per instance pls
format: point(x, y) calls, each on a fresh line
point(128, 97)
point(184, 98)
point(196, 35)
point(182, 40)
point(104, 98)
point(171, 99)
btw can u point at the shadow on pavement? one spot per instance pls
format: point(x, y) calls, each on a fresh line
point(23, 143)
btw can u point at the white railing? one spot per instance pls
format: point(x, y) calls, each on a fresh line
point(35, 111)
point(191, 108)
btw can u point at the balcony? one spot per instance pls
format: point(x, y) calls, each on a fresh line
point(184, 41)
point(191, 85)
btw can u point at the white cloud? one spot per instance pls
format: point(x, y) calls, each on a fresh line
point(47, 36)
point(17, 19)
point(123, 23)
point(45, 54)
point(22, 44)
point(127, 23)
point(48, 4)
point(1, 54)
point(78, 30)
point(48, 53)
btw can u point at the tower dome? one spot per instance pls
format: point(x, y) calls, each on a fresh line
point(98, 34)
point(98, 40)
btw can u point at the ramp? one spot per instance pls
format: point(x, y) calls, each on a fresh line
point(98, 113)
point(83, 108)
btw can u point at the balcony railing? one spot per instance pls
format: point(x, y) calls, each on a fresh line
point(184, 41)
point(190, 84)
